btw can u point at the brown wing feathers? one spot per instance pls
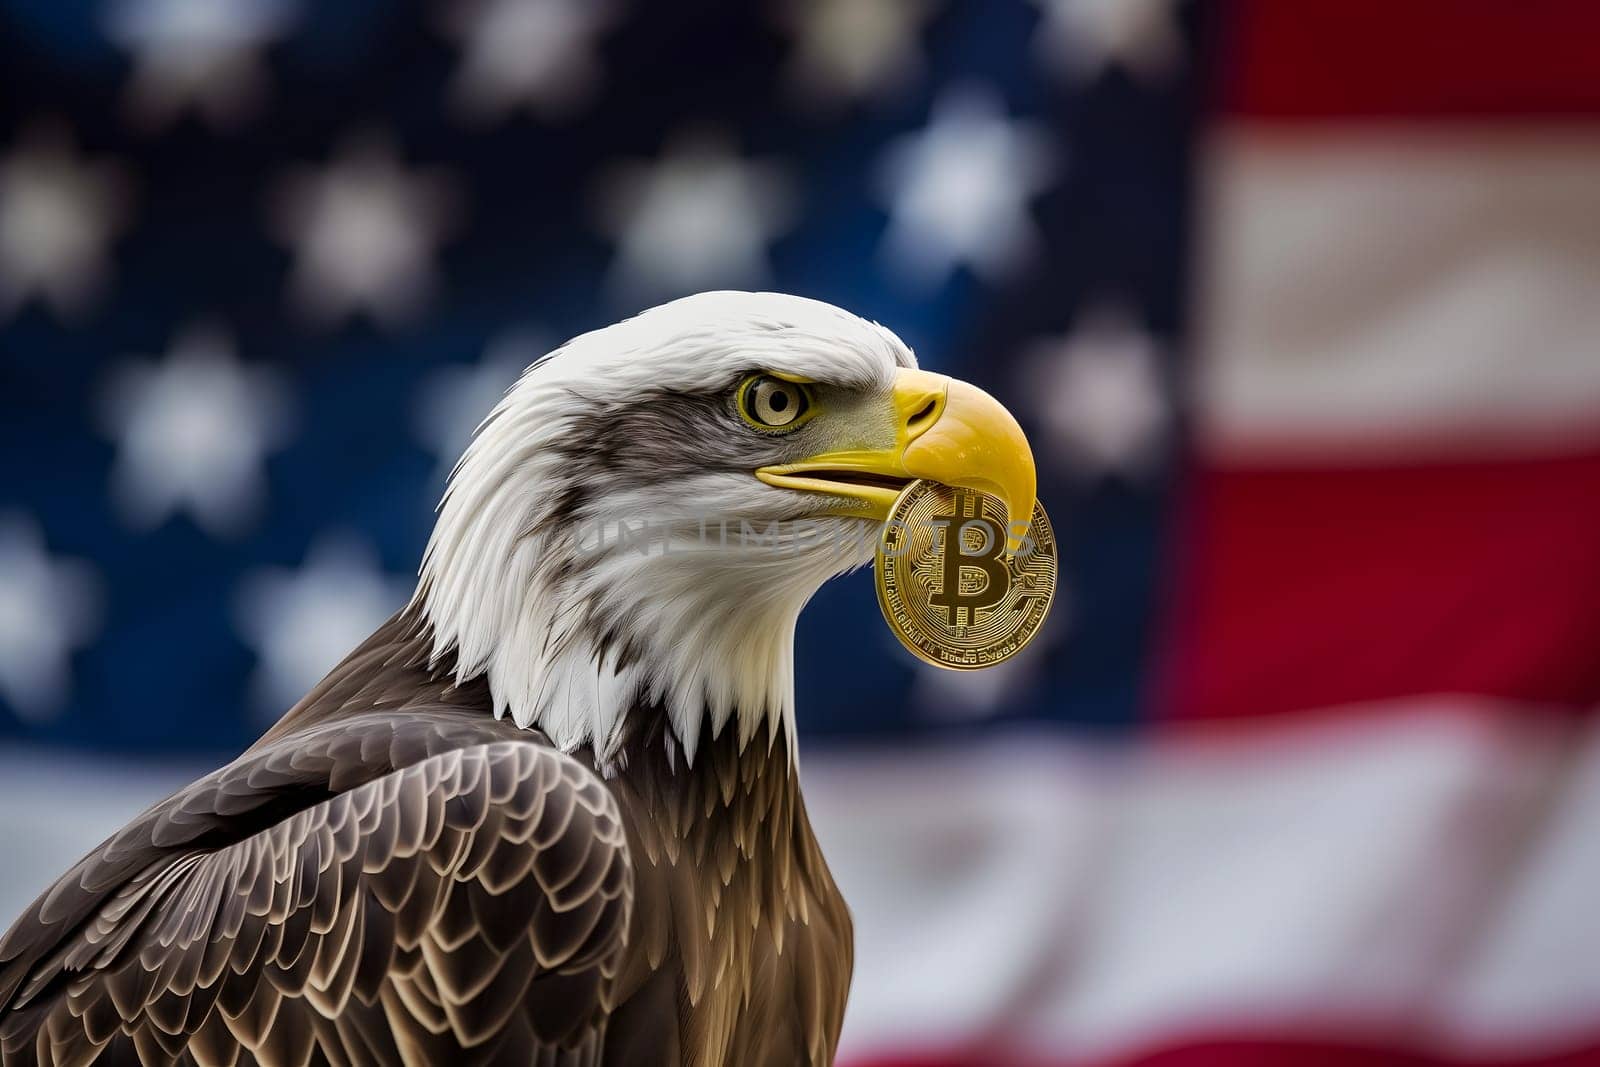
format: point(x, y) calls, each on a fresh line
point(393, 876)
point(368, 914)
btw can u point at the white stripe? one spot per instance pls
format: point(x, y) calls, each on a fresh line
point(1538, 964)
point(55, 806)
point(1341, 875)
point(1388, 290)
point(1415, 868)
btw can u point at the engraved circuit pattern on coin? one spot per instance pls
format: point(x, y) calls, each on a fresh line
point(947, 587)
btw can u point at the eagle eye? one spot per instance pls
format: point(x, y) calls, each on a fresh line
point(773, 404)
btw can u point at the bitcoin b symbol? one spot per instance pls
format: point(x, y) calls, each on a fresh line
point(948, 588)
point(986, 560)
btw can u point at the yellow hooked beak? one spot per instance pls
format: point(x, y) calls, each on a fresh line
point(945, 431)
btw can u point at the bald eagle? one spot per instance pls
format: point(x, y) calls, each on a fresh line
point(548, 813)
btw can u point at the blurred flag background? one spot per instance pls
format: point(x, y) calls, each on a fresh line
point(1300, 304)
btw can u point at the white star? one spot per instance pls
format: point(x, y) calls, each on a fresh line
point(1083, 38)
point(192, 434)
point(199, 54)
point(455, 398)
point(57, 216)
point(48, 607)
point(1098, 395)
point(699, 218)
point(537, 54)
point(302, 622)
point(854, 48)
point(364, 232)
point(958, 191)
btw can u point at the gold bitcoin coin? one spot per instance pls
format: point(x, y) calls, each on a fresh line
point(947, 586)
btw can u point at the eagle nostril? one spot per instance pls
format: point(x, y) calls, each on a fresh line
point(920, 420)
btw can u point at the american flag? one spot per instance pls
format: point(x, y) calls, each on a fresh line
point(1300, 304)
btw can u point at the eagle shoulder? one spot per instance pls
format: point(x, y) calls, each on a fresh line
point(383, 887)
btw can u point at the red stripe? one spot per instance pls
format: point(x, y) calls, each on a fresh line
point(1334, 59)
point(1308, 589)
point(1249, 1052)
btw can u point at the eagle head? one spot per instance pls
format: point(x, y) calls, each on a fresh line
point(641, 519)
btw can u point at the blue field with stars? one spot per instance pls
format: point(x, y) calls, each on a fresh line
point(264, 265)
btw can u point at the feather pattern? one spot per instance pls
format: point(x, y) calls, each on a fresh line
point(426, 883)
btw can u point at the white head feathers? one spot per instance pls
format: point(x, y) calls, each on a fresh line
point(529, 579)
